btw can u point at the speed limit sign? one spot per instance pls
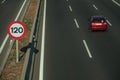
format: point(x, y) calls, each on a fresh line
point(16, 30)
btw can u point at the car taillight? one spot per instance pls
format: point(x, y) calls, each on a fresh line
point(105, 23)
point(93, 24)
point(96, 24)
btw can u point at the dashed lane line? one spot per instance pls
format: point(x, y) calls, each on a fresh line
point(109, 22)
point(88, 51)
point(116, 2)
point(76, 23)
point(70, 8)
point(3, 1)
point(95, 7)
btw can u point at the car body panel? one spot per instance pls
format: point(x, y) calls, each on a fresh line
point(98, 23)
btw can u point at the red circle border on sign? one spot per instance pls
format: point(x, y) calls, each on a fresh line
point(13, 37)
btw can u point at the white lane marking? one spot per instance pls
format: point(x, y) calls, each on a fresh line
point(67, 0)
point(41, 70)
point(89, 53)
point(70, 8)
point(109, 22)
point(7, 36)
point(3, 1)
point(20, 10)
point(95, 7)
point(116, 2)
point(76, 23)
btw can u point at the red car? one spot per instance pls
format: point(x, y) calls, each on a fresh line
point(98, 23)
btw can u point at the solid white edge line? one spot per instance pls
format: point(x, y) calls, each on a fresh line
point(95, 7)
point(109, 22)
point(76, 23)
point(70, 8)
point(20, 10)
point(7, 36)
point(116, 2)
point(89, 53)
point(41, 70)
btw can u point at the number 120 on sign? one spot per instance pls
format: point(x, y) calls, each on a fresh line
point(17, 30)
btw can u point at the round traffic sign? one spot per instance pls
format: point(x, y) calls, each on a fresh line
point(16, 30)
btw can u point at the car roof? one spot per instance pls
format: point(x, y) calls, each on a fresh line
point(97, 16)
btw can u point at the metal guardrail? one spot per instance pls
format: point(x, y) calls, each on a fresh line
point(30, 51)
point(20, 18)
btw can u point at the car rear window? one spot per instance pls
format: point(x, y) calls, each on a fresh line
point(98, 20)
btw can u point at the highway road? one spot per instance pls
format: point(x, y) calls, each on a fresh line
point(69, 51)
point(8, 12)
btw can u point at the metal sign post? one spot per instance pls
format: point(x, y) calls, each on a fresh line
point(17, 31)
point(17, 53)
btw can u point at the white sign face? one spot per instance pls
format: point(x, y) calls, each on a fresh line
point(16, 30)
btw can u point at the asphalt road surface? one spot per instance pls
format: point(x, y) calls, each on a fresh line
point(71, 51)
